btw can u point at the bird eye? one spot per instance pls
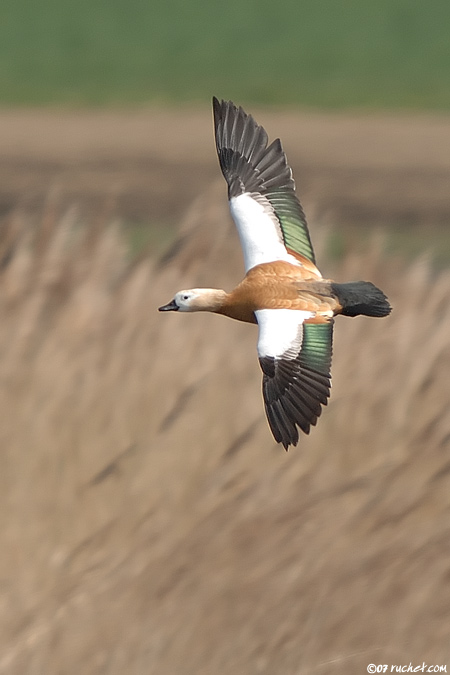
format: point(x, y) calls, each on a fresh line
point(185, 297)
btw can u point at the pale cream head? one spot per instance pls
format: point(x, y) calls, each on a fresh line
point(196, 300)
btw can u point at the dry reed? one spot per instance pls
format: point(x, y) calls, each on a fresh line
point(150, 524)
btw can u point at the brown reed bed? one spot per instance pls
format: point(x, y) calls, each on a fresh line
point(150, 524)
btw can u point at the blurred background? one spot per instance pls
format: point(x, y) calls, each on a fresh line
point(149, 523)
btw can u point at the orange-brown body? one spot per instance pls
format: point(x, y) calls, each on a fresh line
point(280, 285)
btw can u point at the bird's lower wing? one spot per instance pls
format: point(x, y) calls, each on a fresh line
point(295, 357)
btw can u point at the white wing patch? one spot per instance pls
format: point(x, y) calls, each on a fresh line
point(259, 232)
point(280, 332)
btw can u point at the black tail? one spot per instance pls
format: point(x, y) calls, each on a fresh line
point(361, 297)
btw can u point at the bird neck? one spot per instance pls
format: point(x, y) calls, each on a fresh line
point(210, 300)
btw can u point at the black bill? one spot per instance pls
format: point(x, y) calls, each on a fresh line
point(171, 307)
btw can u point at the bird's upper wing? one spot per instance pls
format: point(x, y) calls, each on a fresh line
point(263, 203)
point(295, 357)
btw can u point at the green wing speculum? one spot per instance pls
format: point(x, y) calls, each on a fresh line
point(292, 220)
point(317, 346)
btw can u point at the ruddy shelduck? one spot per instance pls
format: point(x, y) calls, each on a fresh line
point(282, 291)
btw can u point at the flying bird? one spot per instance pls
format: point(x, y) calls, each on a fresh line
point(282, 291)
